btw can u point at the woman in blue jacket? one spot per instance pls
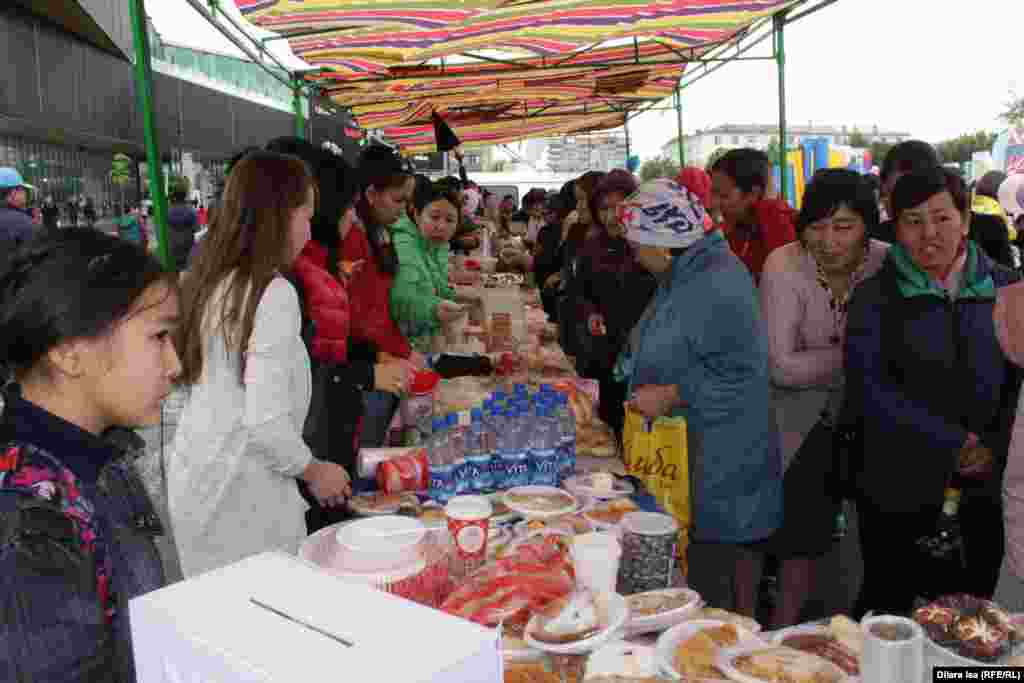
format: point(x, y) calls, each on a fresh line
point(934, 398)
point(86, 323)
point(699, 351)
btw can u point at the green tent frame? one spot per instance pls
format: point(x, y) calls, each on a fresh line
point(735, 50)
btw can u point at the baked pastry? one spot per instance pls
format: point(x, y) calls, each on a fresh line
point(533, 672)
point(657, 602)
point(695, 657)
point(972, 627)
point(717, 614)
point(612, 511)
point(571, 619)
point(786, 665)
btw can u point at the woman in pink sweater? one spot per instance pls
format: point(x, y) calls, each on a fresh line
point(805, 289)
point(1009, 322)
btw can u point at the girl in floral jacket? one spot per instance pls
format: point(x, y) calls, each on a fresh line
point(85, 330)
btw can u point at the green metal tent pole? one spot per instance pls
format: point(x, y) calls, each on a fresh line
point(144, 91)
point(300, 122)
point(780, 59)
point(679, 127)
point(625, 127)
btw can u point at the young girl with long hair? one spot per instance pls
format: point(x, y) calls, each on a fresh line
point(239, 449)
point(385, 188)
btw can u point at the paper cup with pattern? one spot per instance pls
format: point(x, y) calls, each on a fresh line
point(469, 524)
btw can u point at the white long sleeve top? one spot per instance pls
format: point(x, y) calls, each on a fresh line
point(231, 475)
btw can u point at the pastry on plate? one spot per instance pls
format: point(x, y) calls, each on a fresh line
point(539, 502)
point(696, 656)
point(729, 617)
point(571, 619)
point(612, 511)
point(785, 665)
point(657, 602)
point(533, 672)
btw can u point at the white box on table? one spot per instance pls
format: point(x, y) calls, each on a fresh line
point(206, 629)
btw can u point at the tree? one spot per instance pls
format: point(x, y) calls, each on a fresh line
point(879, 150)
point(961, 149)
point(1014, 114)
point(858, 140)
point(658, 167)
point(721, 152)
point(121, 173)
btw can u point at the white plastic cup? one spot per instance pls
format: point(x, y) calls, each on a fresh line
point(469, 524)
point(595, 558)
point(887, 658)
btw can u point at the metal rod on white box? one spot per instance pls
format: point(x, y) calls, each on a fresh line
point(337, 639)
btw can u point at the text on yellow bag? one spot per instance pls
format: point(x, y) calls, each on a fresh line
point(655, 452)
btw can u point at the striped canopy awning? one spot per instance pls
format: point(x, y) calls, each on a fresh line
point(501, 70)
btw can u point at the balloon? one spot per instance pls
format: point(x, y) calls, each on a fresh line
point(1011, 194)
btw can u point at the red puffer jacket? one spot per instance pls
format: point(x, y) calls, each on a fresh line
point(326, 303)
point(370, 290)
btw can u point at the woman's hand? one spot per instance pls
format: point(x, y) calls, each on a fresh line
point(514, 254)
point(328, 483)
point(655, 400)
point(449, 311)
point(553, 281)
point(418, 360)
point(975, 459)
point(392, 376)
point(595, 323)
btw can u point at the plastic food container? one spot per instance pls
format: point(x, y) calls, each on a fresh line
point(379, 543)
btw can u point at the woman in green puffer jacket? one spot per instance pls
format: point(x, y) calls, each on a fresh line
point(421, 298)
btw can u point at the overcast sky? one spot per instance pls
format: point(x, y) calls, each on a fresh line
point(933, 69)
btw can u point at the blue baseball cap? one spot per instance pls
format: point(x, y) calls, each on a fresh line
point(9, 177)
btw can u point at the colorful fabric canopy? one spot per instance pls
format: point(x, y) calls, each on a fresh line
point(564, 65)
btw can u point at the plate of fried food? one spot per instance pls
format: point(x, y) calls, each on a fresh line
point(777, 664)
point(607, 514)
point(380, 503)
point(540, 501)
point(578, 623)
point(660, 609)
point(690, 651)
point(840, 642)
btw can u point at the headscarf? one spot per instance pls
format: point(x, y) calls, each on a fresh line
point(663, 213)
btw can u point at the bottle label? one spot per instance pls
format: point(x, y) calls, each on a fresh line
point(517, 469)
point(482, 475)
point(442, 482)
point(545, 468)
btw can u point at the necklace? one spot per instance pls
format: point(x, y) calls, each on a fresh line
point(839, 303)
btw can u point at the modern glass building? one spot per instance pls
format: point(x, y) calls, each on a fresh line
point(67, 103)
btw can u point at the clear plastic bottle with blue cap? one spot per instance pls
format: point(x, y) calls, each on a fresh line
point(442, 470)
point(567, 437)
point(457, 439)
point(544, 448)
point(478, 456)
point(515, 461)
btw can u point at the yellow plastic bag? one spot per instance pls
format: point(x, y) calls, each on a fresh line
point(655, 452)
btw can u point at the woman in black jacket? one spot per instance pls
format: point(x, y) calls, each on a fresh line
point(934, 397)
point(340, 373)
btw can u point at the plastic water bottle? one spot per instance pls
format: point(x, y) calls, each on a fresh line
point(566, 437)
point(544, 448)
point(478, 456)
point(511, 444)
point(442, 471)
point(495, 427)
point(457, 441)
